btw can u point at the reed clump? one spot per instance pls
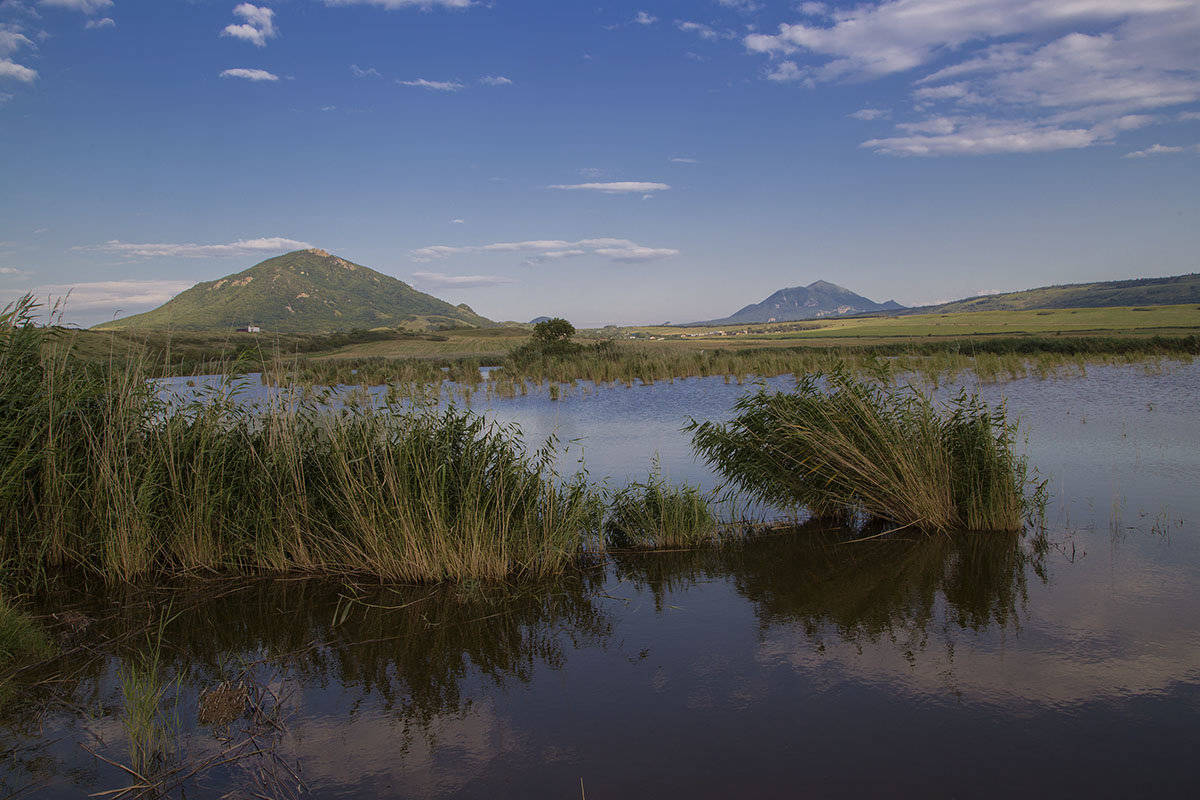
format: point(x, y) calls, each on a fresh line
point(845, 447)
point(102, 475)
point(657, 514)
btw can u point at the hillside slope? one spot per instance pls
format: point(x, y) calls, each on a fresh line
point(305, 291)
point(1104, 294)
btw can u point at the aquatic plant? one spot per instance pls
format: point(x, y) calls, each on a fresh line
point(657, 514)
point(101, 474)
point(843, 447)
point(20, 635)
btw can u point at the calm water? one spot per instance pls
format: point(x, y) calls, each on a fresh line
point(795, 665)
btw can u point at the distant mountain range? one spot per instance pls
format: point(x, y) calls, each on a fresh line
point(817, 300)
point(305, 291)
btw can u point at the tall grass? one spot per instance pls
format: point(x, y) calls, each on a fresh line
point(844, 447)
point(656, 514)
point(101, 475)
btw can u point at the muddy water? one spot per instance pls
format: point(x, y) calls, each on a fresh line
point(794, 665)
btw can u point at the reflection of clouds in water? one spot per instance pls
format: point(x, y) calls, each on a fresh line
point(379, 756)
point(1078, 646)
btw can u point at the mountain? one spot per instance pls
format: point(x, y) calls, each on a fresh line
point(818, 299)
point(1138, 292)
point(305, 291)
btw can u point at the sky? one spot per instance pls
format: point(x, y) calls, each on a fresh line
point(609, 163)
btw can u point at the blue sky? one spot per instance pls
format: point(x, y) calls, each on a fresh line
point(619, 162)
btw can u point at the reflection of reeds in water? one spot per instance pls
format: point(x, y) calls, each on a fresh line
point(841, 446)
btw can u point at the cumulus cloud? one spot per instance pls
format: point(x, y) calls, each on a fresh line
point(249, 74)
point(643, 18)
point(96, 24)
point(11, 69)
point(437, 86)
point(495, 80)
point(369, 72)
point(459, 281)
point(86, 6)
point(242, 247)
point(614, 187)
point(539, 250)
point(259, 24)
point(1033, 74)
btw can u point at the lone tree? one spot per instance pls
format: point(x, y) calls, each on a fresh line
point(553, 330)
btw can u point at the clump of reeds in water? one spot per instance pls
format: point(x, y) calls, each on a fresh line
point(100, 474)
point(657, 514)
point(845, 447)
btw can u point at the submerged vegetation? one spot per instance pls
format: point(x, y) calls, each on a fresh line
point(842, 447)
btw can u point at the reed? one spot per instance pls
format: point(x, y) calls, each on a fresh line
point(844, 448)
point(101, 475)
point(656, 514)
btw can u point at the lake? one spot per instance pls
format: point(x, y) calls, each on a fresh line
point(795, 664)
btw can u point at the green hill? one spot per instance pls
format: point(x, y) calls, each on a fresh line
point(306, 291)
point(1107, 294)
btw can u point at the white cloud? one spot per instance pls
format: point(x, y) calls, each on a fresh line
point(10, 69)
point(396, 4)
point(745, 6)
point(684, 161)
point(621, 250)
point(259, 24)
point(1188, 116)
point(127, 296)
point(12, 40)
point(787, 71)
point(706, 32)
point(5, 97)
point(615, 187)
point(643, 18)
point(1036, 74)
point(12, 271)
point(495, 80)
point(86, 6)
point(437, 86)
point(458, 222)
point(369, 72)
point(868, 114)
point(1160, 150)
point(249, 74)
point(460, 281)
point(96, 24)
point(242, 247)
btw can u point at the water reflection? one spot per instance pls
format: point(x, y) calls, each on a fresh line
point(414, 681)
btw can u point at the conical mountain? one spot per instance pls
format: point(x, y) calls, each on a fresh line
point(818, 299)
point(305, 291)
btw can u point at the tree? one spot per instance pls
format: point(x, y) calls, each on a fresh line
point(553, 330)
